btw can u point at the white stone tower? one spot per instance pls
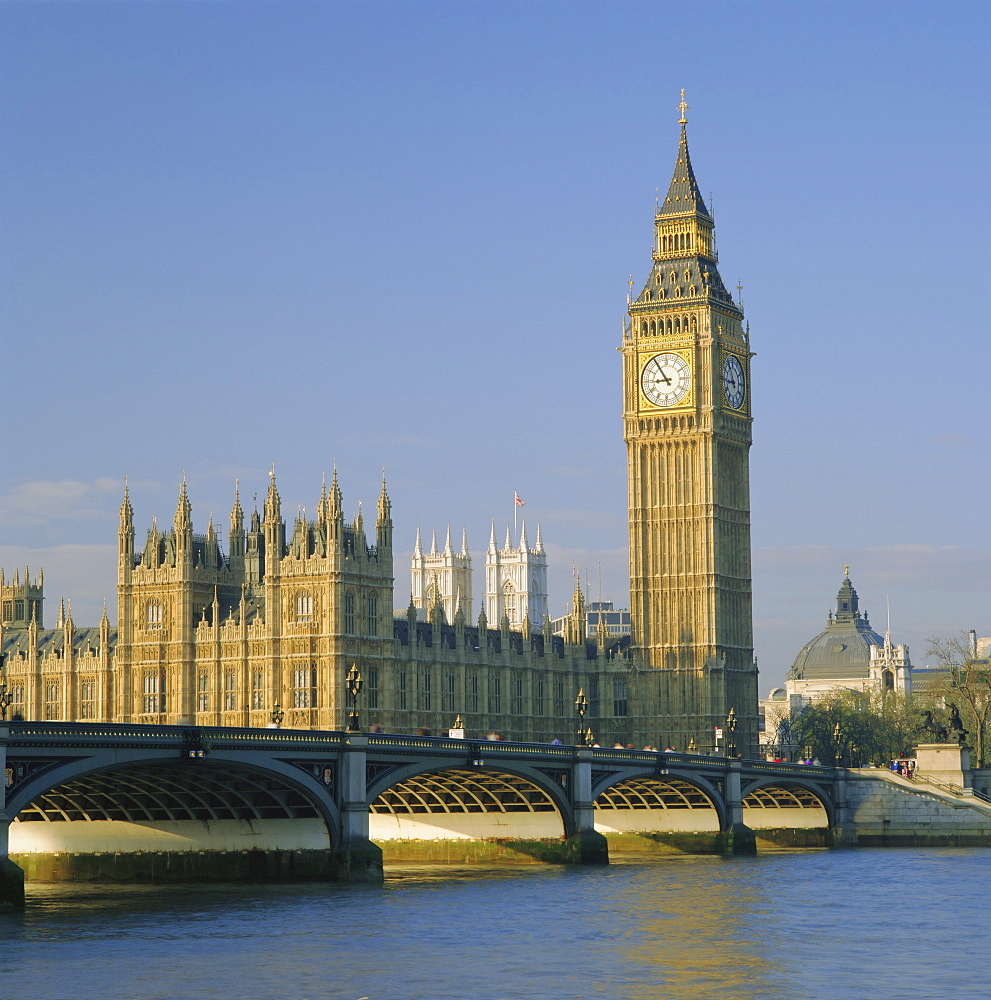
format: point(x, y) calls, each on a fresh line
point(516, 580)
point(441, 576)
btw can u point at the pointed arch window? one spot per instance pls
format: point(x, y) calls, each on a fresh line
point(304, 606)
point(304, 686)
point(509, 600)
point(153, 615)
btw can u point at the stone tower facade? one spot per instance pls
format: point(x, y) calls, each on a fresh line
point(22, 600)
point(516, 580)
point(687, 426)
point(441, 577)
point(223, 639)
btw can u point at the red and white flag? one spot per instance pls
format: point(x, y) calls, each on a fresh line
point(519, 502)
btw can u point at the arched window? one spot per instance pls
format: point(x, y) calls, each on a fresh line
point(653, 329)
point(153, 614)
point(509, 600)
point(304, 606)
point(677, 325)
point(888, 679)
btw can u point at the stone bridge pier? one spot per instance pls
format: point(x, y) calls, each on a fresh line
point(11, 875)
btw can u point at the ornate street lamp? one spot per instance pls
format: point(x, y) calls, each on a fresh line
point(589, 737)
point(4, 697)
point(4, 694)
point(731, 733)
point(277, 716)
point(837, 745)
point(581, 707)
point(354, 689)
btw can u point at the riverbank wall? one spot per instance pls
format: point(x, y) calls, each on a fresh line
point(883, 809)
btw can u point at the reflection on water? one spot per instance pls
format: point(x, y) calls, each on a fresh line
point(843, 925)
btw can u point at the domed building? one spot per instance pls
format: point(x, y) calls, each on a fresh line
point(847, 654)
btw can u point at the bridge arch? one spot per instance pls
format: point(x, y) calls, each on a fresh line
point(462, 802)
point(155, 803)
point(636, 802)
point(786, 803)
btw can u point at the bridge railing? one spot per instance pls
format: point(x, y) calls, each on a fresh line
point(80, 734)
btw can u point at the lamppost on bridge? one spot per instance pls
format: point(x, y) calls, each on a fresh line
point(589, 737)
point(277, 716)
point(731, 733)
point(837, 745)
point(4, 693)
point(354, 689)
point(581, 707)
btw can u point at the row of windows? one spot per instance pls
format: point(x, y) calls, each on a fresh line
point(304, 613)
point(683, 241)
point(496, 702)
point(660, 327)
point(14, 611)
point(304, 694)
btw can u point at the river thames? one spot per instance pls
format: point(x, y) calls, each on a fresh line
point(885, 924)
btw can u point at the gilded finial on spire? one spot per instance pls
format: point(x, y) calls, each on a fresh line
point(683, 108)
point(846, 570)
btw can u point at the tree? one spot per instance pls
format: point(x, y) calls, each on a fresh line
point(964, 681)
point(874, 726)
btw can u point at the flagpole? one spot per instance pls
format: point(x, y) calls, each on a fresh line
point(516, 508)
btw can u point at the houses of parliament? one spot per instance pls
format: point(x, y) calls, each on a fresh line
point(271, 623)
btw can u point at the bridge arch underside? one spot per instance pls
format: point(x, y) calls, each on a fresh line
point(648, 804)
point(466, 816)
point(649, 813)
point(784, 806)
point(168, 821)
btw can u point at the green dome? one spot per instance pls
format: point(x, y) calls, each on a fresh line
point(842, 649)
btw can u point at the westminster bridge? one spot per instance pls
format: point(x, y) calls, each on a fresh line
point(139, 803)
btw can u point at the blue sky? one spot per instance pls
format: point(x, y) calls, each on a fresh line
point(398, 235)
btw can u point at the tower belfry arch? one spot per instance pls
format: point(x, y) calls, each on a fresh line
point(687, 426)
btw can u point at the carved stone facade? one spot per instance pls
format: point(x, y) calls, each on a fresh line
point(216, 639)
point(687, 425)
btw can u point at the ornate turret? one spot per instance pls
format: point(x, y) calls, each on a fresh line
point(383, 523)
point(235, 539)
point(575, 631)
point(125, 538)
point(273, 526)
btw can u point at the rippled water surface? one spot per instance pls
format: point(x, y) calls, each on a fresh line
point(843, 925)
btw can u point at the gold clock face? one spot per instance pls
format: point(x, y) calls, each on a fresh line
point(666, 379)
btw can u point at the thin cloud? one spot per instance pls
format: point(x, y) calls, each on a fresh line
point(44, 501)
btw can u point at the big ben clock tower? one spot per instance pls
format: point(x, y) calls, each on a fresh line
point(686, 413)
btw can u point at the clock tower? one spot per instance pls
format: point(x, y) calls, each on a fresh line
point(687, 426)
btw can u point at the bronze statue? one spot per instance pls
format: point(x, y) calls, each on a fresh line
point(957, 732)
point(931, 725)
